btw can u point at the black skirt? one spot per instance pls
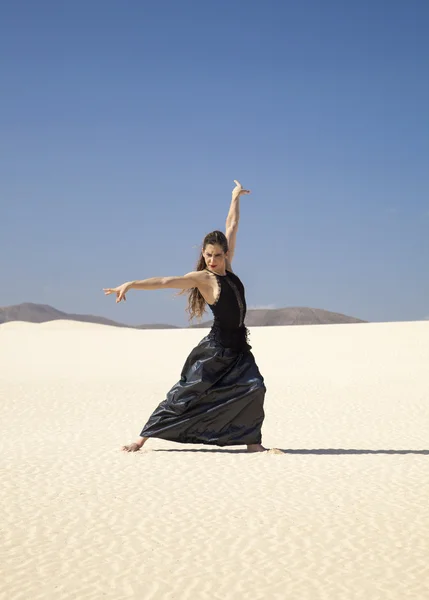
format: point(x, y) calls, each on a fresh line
point(219, 400)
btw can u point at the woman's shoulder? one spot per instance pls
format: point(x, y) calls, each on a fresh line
point(203, 278)
point(199, 275)
point(232, 274)
point(229, 270)
point(235, 278)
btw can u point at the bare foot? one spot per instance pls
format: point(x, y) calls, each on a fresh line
point(131, 447)
point(256, 448)
point(135, 446)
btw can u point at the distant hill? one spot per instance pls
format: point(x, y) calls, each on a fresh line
point(40, 313)
point(258, 317)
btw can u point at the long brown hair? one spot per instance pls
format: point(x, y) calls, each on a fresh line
point(196, 303)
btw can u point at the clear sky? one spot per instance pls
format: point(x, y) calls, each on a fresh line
point(123, 125)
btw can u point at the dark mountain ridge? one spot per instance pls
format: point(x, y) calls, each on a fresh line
point(40, 313)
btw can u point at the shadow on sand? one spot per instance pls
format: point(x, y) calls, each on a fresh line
point(321, 451)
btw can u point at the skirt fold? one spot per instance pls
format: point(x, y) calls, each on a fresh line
point(218, 400)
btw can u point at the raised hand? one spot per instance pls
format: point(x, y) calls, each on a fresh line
point(120, 291)
point(238, 190)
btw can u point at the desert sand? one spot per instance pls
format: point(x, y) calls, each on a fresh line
point(342, 514)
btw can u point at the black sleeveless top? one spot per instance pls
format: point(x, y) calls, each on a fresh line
point(229, 311)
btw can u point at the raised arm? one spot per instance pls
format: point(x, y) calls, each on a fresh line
point(233, 218)
point(184, 282)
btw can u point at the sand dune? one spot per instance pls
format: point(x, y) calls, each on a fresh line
point(343, 514)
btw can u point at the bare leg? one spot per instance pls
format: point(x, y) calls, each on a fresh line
point(135, 446)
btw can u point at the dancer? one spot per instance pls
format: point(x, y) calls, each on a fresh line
point(220, 395)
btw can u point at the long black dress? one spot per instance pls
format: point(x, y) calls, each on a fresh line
point(220, 396)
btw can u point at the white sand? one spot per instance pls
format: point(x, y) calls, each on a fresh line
point(344, 514)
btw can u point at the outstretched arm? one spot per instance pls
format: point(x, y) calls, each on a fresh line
point(185, 282)
point(233, 218)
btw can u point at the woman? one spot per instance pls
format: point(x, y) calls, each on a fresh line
point(220, 396)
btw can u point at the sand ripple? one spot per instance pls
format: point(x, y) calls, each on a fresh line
point(335, 517)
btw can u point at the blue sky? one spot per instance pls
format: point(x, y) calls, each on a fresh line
point(123, 125)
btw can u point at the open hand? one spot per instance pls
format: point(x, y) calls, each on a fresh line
point(238, 190)
point(120, 291)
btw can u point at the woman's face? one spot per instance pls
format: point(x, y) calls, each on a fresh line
point(215, 257)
